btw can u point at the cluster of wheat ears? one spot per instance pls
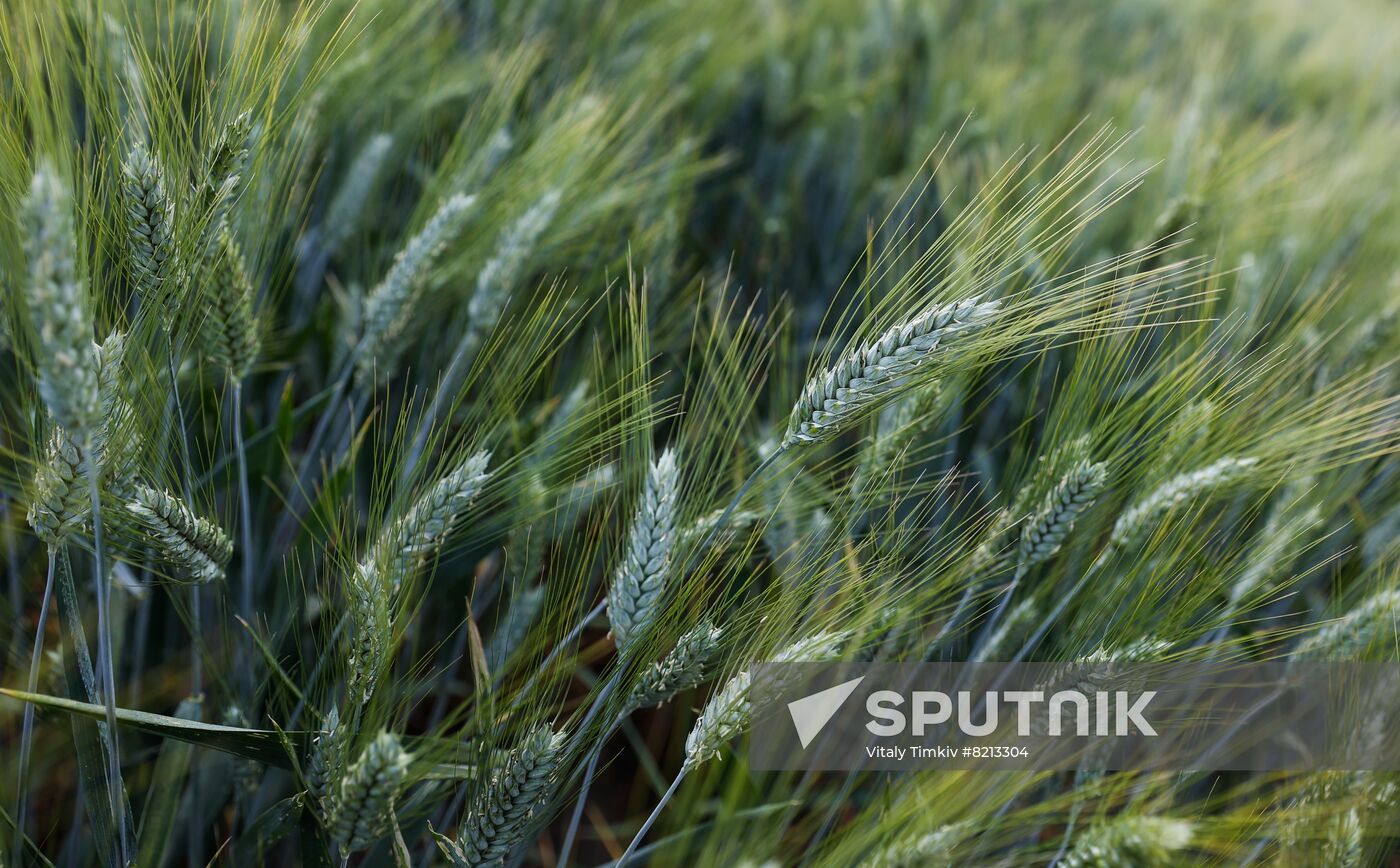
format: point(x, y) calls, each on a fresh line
point(420, 417)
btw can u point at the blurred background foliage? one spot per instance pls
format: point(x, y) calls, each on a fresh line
point(677, 214)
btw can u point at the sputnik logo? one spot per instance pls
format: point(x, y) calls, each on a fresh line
point(811, 713)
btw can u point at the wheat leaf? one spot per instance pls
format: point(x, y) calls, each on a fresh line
point(166, 790)
point(259, 745)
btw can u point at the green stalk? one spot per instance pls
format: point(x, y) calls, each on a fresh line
point(651, 820)
point(107, 679)
point(27, 728)
point(585, 785)
point(193, 854)
point(990, 628)
point(245, 506)
point(245, 530)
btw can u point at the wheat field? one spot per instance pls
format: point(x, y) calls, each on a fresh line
point(419, 417)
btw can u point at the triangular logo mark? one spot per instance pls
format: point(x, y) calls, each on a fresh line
point(811, 713)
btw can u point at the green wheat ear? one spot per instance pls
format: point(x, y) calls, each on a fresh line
point(225, 163)
point(729, 711)
point(394, 557)
point(880, 370)
point(502, 271)
point(635, 593)
point(690, 664)
point(326, 762)
point(414, 537)
point(343, 214)
point(1369, 627)
point(1046, 530)
point(1130, 841)
point(150, 214)
point(195, 545)
point(58, 306)
point(1142, 518)
point(934, 848)
point(508, 803)
point(231, 330)
point(59, 501)
point(364, 801)
point(391, 305)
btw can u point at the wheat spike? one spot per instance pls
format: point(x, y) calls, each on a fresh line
point(635, 593)
point(369, 599)
point(999, 536)
point(66, 366)
point(1130, 842)
point(729, 711)
point(1369, 627)
point(226, 162)
point(110, 354)
point(230, 327)
point(364, 801)
point(879, 370)
point(931, 850)
point(1137, 651)
point(343, 214)
point(194, 544)
point(1146, 650)
point(60, 500)
point(395, 556)
point(514, 626)
point(503, 270)
point(1047, 529)
point(416, 535)
point(690, 664)
point(1140, 519)
point(1014, 629)
point(116, 437)
point(501, 813)
point(1343, 845)
point(390, 306)
point(150, 214)
point(1279, 542)
point(326, 762)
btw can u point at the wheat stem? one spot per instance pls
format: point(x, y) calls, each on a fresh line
point(194, 854)
point(686, 666)
point(245, 507)
point(107, 680)
point(594, 755)
point(651, 820)
point(27, 727)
